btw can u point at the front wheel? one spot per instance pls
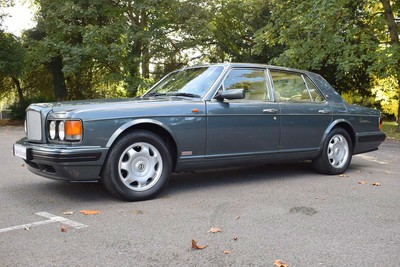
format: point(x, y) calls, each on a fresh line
point(336, 153)
point(137, 167)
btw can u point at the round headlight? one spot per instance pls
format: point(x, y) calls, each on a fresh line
point(61, 131)
point(52, 129)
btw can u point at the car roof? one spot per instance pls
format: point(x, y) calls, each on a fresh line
point(247, 65)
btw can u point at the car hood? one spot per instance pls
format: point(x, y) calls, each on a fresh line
point(114, 108)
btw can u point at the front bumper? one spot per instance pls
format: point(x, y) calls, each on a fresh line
point(68, 163)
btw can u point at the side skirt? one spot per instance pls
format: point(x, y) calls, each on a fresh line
point(225, 161)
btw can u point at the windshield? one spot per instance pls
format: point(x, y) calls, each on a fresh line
point(191, 82)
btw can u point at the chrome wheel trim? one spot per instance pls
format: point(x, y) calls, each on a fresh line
point(140, 166)
point(338, 151)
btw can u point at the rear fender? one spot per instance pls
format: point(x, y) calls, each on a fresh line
point(339, 123)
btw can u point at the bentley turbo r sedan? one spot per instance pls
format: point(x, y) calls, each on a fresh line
point(208, 116)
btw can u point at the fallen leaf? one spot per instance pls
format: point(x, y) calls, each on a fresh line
point(362, 182)
point(23, 165)
point(376, 184)
point(196, 246)
point(214, 230)
point(27, 228)
point(68, 212)
point(89, 212)
point(280, 263)
point(227, 252)
point(238, 217)
point(64, 229)
point(235, 238)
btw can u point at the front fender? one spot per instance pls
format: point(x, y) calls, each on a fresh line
point(132, 123)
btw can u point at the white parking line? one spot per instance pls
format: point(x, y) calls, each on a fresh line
point(52, 218)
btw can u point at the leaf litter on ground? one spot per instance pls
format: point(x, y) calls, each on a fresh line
point(214, 230)
point(89, 212)
point(197, 246)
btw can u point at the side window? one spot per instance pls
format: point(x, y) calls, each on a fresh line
point(253, 81)
point(314, 92)
point(294, 87)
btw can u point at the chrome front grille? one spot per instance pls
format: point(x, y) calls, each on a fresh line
point(34, 125)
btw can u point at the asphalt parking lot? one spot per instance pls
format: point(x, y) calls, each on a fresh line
point(265, 213)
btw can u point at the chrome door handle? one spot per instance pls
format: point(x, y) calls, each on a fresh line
point(270, 110)
point(324, 111)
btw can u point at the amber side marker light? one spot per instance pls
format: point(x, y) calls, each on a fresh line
point(380, 123)
point(73, 130)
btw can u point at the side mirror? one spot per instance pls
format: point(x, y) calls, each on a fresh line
point(231, 94)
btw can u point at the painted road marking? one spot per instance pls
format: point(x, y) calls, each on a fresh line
point(52, 219)
point(63, 220)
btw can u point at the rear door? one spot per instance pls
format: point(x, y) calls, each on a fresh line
point(305, 114)
point(246, 126)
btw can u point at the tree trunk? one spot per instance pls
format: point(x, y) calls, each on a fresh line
point(60, 89)
point(145, 53)
point(134, 70)
point(19, 89)
point(395, 42)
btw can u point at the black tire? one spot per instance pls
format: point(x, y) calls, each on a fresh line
point(137, 167)
point(336, 153)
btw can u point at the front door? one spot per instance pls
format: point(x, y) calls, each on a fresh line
point(247, 126)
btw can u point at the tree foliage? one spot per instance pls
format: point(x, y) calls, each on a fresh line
point(117, 48)
point(11, 62)
point(345, 41)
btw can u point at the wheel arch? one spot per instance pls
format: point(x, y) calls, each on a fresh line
point(153, 126)
point(340, 123)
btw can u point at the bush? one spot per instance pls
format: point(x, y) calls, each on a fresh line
point(18, 109)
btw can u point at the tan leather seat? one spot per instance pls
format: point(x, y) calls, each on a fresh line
point(305, 95)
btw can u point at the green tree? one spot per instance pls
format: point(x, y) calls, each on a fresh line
point(354, 44)
point(332, 37)
point(394, 48)
point(80, 42)
point(11, 62)
point(232, 30)
point(44, 75)
point(109, 48)
point(162, 34)
point(90, 44)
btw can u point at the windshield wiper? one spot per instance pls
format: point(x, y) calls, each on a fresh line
point(183, 94)
point(157, 94)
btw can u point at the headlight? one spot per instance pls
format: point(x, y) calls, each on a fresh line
point(52, 130)
point(61, 130)
point(65, 130)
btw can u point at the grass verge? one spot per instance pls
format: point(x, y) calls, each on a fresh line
point(389, 128)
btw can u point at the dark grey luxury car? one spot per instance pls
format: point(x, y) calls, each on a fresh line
point(208, 116)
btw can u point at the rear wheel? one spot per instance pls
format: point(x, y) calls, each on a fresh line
point(137, 167)
point(336, 153)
